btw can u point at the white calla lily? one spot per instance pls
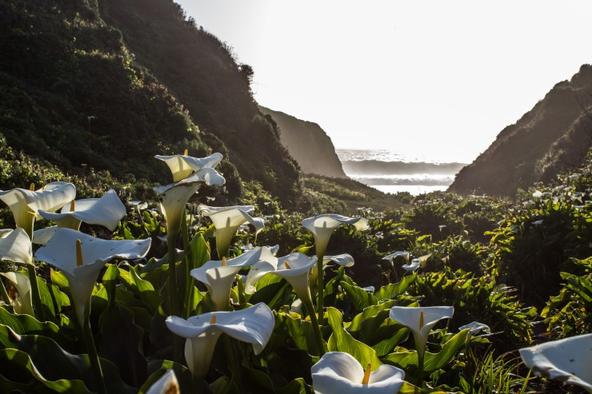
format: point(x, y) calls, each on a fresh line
point(167, 384)
point(475, 328)
point(295, 269)
point(344, 260)
point(412, 266)
point(43, 235)
point(4, 232)
point(81, 257)
point(218, 275)
point(420, 320)
point(183, 166)
point(227, 220)
point(25, 204)
point(22, 301)
point(174, 197)
point(400, 253)
point(323, 226)
point(252, 325)
point(106, 211)
point(340, 373)
point(567, 360)
point(16, 247)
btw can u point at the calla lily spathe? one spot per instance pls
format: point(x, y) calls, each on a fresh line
point(106, 211)
point(218, 275)
point(343, 260)
point(63, 253)
point(167, 384)
point(253, 325)
point(294, 268)
point(323, 226)
point(340, 373)
point(227, 220)
point(22, 301)
point(475, 328)
point(400, 253)
point(25, 204)
point(183, 166)
point(16, 247)
point(412, 266)
point(420, 320)
point(568, 360)
point(174, 197)
point(4, 232)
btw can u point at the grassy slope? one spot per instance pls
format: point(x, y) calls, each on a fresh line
point(72, 95)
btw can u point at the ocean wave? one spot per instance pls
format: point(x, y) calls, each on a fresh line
point(406, 179)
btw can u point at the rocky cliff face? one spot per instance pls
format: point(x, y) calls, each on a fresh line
point(552, 137)
point(308, 143)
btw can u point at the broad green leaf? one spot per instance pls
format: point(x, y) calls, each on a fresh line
point(393, 290)
point(55, 363)
point(433, 361)
point(343, 341)
point(360, 298)
point(19, 374)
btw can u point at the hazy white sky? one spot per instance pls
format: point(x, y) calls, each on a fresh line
point(436, 79)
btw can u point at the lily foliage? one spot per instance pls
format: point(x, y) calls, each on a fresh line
point(182, 296)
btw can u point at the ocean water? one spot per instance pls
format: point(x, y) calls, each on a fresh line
point(414, 183)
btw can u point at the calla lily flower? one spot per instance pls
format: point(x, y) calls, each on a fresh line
point(323, 226)
point(22, 301)
point(294, 268)
point(183, 166)
point(252, 325)
point(81, 257)
point(340, 373)
point(4, 232)
point(344, 260)
point(567, 360)
point(476, 327)
point(227, 220)
point(25, 204)
point(106, 211)
point(218, 275)
point(16, 247)
point(174, 197)
point(43, 235)
point(400, 253)
point(412, 266)
point(420, 320)
point(167, 384)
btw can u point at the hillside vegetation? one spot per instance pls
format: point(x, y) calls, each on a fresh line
point(202, 73)
point(552, 137)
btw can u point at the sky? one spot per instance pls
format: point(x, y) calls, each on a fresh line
point(429, 79)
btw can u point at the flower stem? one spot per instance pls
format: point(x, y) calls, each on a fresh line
point(37, 305)
point(172, 257)
point(93, 354)
point(315, 324)
point(3, 293)
point(420, 367)
point(188, 293)
point(320, 287)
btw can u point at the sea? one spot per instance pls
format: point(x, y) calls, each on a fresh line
point(392, 172)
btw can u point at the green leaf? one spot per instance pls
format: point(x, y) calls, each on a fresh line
point(199, 251)
point(393, 290)
point(343, 341)
point(55, 363)
point(18, 373)
point(27, 324)
point(360, 298)
point(433, 361)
